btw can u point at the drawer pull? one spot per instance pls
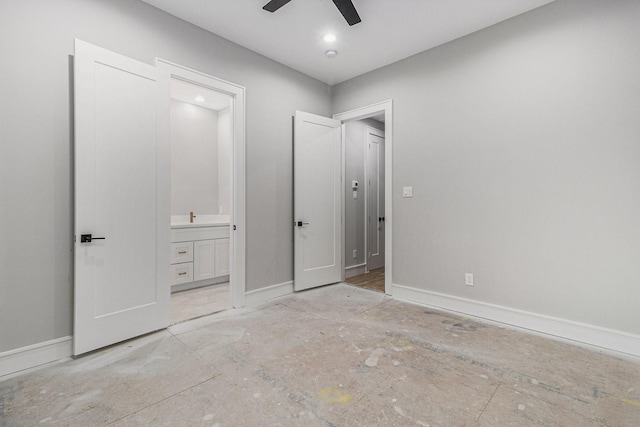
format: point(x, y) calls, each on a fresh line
point(182, 274)
point(182, 252)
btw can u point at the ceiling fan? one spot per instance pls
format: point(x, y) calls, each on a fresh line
point(344, 6)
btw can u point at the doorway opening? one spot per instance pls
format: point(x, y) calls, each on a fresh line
point(200, 200)
point(367, 215)
point(207, 193)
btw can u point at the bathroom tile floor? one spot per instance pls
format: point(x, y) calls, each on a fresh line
point(333, 356)
point(193, 303)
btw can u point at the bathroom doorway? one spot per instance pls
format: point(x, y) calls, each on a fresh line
point(207, 211)
point(200, 197)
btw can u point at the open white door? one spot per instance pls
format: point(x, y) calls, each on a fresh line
point(374, 181)
point(317, 193)
point(121, 198)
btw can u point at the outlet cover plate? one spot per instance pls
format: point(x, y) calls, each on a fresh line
point(468, 279)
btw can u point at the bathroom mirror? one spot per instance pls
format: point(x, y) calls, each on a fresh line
point(200, 150)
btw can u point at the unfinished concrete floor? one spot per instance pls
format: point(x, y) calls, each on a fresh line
point(334, 356)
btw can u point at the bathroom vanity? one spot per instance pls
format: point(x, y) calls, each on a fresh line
point(199, 251)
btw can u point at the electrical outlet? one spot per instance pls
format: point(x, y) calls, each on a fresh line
point(355, 253)
point(468, 279)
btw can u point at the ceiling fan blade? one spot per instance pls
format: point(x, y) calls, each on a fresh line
point(274, 5)
point(348, 10)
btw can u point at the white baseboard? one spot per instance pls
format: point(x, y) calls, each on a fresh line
point(355, 270)
point(606, 339)
point(270, 292)
point(31, 356)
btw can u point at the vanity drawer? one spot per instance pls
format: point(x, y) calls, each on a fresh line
point(181, 252)
point(181, 273)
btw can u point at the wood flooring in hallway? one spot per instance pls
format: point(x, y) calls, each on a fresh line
point(373, 280)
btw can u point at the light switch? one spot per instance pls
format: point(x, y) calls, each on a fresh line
point(407, 191)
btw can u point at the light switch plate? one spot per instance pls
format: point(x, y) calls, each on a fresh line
point(407, 191)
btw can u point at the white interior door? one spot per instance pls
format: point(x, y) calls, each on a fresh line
point(121, 195)
point(374, 181)
point(317, 201)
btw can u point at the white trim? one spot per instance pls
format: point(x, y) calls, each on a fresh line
point(343, 214)
point(362, 113)
point(270, 292)
point(238, 181)
point(31, 356)
point(355, 270)
point(603, 338)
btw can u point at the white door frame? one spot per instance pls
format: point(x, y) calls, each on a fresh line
point(385, 107)
point(237, 214)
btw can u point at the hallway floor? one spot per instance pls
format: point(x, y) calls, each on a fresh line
point(334, 356)
point(373, 280)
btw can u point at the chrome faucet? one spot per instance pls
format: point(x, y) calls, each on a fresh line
point(191, 216)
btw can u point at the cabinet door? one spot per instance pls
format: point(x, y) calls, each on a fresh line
point(203, 259)
point(222, 257)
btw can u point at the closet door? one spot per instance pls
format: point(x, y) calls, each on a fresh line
point(121, 200)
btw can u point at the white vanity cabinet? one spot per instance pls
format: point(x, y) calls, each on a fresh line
point(199, 255)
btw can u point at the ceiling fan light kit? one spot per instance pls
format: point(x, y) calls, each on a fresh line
point(346, 8)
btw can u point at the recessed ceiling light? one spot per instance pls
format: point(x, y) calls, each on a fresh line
point(329, 38)
point(200, 98)
point(331, 53)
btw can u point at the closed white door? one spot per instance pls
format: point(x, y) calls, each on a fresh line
point(374, 181)
point(121, 200)
point(317, 201)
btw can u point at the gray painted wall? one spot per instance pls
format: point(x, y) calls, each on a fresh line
point(354, 170)
point(522, 144)
point(36, 45)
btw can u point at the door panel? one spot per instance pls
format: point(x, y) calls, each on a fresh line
point(204, 259)
point(317, 201)
point(121, 282)
point(375, 198)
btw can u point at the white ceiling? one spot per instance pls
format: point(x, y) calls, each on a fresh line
point(390, 29)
